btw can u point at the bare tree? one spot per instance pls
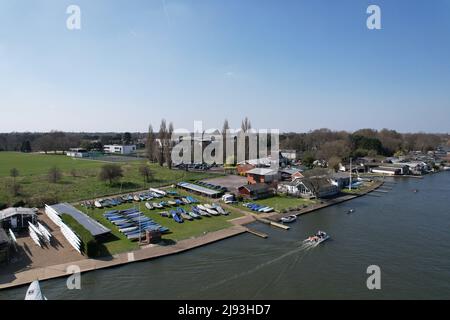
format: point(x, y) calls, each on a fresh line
point(162, 138)
point(168, 146)
point(15, 188)
point(225, 128)
point(150, 145)
point(146, 172)
point(54, 175)
point(111, 172)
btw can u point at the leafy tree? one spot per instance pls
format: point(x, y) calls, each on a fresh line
point(110, 172)
point(127, 139)
point(308, 159)
point(26, 146)
point(334, 163)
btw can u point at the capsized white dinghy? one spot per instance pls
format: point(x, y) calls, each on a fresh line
point(34, 292)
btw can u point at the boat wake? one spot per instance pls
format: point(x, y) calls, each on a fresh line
point(299, 250)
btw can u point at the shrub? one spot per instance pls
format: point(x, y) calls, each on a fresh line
point(3, 205)
point(40, 200)
point(89, 246)
point(19, 203)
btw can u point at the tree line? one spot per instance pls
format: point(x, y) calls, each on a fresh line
point(63, 141)
point(326, 144)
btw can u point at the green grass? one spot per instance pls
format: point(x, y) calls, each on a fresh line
point(281, 202)
point(31, 164)
point(178, 231)
point(33, 170)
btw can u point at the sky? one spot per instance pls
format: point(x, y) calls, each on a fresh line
point(289, 65)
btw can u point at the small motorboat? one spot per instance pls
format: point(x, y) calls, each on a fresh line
point(289, 219)
point(172, 203)
point(415, 191)
point(136, 198)
point(350, 211)
point(34, 292)
point(149, 206)
point(318, 238)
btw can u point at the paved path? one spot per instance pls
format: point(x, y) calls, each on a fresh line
point(149, 252)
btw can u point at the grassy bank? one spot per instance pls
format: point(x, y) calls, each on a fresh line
point(79, 178)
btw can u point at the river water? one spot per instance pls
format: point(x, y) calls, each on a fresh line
point(406, 234)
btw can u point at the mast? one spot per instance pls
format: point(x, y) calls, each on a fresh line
point(350, 186)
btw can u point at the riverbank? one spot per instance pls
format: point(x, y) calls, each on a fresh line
point(155, 251)
point(145, 253)
point(331, 202)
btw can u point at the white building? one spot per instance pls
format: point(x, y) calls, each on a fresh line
point(77, 153)
point(120, 149)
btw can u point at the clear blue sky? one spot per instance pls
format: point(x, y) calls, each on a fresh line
point(292, 65)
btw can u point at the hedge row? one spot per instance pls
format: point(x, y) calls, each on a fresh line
point(89, 246)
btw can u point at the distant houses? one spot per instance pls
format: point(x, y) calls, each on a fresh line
point(263, 175)
point(256, 191)
point(314, 187)
point(78, 153)
point(119, 149)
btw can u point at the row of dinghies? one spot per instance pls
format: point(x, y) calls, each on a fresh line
point(196, 212)
point(143, 196)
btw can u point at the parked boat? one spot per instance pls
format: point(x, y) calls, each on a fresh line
point(136, 198)
point(289, 219)
point(148, 206)
point(318, 238)
point(157, 205)
point(186, 216)
point(194, 215)
point(97, 204)
point(213, 212)
point(176, 217)
point(350, 211)
point(172, 203)
point(160, 192)
point(219, 209)
point(164, 214)
point(34, 292)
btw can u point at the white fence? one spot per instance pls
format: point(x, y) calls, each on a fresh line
point(71, 237)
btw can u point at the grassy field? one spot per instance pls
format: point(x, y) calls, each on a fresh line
point(178, 231)
point(80, 178)
point(281, 202)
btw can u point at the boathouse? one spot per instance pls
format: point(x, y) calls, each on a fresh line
point(4, 246)
point(17, 218)
point(256, 191)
